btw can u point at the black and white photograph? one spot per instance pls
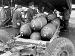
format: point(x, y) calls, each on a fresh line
point(37, 27)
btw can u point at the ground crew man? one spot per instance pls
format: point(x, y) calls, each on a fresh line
point(16, 20)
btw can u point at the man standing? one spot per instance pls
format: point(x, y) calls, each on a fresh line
point(31, 12)
point(16, 20)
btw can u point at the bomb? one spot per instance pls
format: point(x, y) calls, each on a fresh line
point(35, 36)
point(25, 29)
point(38, 23)
point(56, 22)
point(48, 31)
point(51, 17)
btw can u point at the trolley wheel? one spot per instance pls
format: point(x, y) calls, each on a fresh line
point(60, 47)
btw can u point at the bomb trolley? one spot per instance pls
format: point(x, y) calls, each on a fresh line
point(57, 46)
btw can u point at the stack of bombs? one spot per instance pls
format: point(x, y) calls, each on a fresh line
point(41, 27)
